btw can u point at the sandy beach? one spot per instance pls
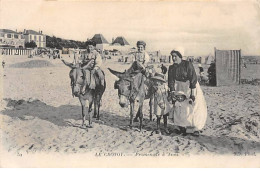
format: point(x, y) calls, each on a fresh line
point(39, 115)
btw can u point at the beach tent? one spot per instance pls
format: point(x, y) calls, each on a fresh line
point(202, 59)
point(99, 39)
point(228, 64)
point(209, 59)
point(120, 41)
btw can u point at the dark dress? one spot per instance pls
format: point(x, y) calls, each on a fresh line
point(182, 72)
point(212, 74)
point(192, 116)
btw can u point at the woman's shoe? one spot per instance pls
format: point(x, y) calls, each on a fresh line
point(183, 131)
point(196, 133)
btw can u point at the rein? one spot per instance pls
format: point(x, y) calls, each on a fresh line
point(74, 81)
point(133, 91)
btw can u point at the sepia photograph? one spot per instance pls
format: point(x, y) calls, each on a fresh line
point(129, 84)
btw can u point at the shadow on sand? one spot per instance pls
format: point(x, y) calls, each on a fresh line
point(60, 115)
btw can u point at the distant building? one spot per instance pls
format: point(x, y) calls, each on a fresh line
point(37, 37)
point(10, 38)
point(101, 42)
point(155, 56)
point(119, 46)
point(120, 41)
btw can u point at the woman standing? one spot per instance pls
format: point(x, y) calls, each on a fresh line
point(182, 77)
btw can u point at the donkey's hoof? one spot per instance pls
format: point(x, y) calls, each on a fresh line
point(130, 127)
point(167, 131)
point(158, 132)
point(90, 126)
point(136, 120)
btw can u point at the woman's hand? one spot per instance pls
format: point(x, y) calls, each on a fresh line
point(192, 99)
point(171, 97)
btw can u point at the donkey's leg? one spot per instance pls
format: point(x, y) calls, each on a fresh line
point(95, 107)
point(86, 109)
point(83, 111)
point(131, 113)
point(151, 103)
point(137, 116)
point(158, 130)
point(165, 124)
point(98, 107)
point(90, 114)
point(141, 115)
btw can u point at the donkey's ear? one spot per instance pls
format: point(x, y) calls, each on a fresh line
point(71, 65)
point(116, 73)
point(116, 86)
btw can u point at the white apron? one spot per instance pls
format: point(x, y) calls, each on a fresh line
point(185, 114)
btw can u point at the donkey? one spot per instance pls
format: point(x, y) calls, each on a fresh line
point(134, 88)
point(90, 96)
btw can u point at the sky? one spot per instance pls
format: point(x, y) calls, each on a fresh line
point(194, 27)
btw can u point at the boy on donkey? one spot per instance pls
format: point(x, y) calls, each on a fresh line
point(90, 63)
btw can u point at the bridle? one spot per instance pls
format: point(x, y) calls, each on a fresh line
point(74, 80)
point(132, 89)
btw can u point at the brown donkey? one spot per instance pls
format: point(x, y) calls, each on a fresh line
point(78, 76)
point(134, 88)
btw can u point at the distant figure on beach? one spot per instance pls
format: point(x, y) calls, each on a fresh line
point(3, 64)
point(126, 59)
point(141, 58)
point(212, 74)
point(201, 69)
point(77, 56)
point(203, 79)
point(245, 65)
point(164, 69)
point(182, 80)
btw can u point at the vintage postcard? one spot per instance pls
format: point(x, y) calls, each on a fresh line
point(130, 84)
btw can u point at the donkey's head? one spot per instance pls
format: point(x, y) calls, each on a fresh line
point(124, 86)
point(77, 76)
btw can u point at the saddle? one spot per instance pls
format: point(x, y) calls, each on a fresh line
point(94, 78)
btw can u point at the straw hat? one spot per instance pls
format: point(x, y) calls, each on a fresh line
point(159, 77)
point(179, 93)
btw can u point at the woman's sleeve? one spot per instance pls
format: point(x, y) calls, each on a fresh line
point(171, 80)
point(192, 76)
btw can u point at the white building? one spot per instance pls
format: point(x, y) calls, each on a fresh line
point(10, 38)
point(101, 42)
point(37, 37)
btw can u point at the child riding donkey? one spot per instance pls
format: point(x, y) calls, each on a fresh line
point(141, 60)
point(90, 63)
